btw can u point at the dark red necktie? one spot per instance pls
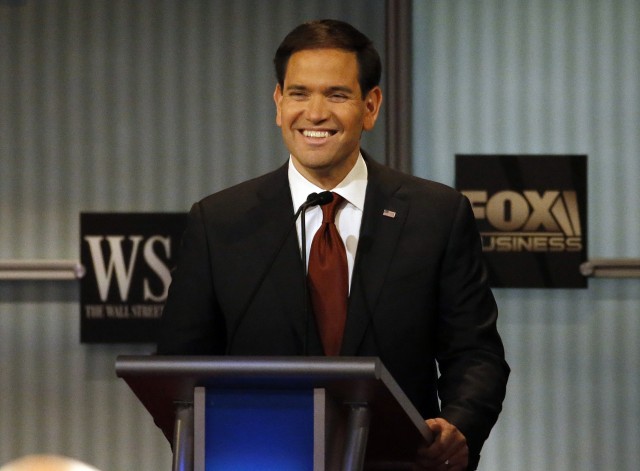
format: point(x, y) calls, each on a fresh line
point(328, 279)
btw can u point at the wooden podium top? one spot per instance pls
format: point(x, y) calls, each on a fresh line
point(160, 382)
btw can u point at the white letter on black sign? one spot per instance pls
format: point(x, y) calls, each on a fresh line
point(157, 266)
point(117, 262)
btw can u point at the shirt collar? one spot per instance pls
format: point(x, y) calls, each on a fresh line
point(352, 188)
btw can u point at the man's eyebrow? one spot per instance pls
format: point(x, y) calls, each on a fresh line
point(340, 88)
point(296, 87)
point(328, 90)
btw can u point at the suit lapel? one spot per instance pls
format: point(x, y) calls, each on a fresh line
point(278, 235)
point(383, 218)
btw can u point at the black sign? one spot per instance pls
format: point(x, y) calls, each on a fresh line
point(128, 259)
point(532, 215)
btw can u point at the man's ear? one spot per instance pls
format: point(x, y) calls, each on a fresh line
point(277, 98)
point(372, 103)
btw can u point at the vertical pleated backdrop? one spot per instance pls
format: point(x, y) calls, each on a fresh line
point(549, 77)
point(128, 105)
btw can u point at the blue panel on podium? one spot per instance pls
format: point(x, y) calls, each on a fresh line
point(254, 429)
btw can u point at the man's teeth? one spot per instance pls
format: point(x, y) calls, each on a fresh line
point(308, 133)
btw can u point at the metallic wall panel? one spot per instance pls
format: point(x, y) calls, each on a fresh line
point(127, 105)
point(139, 105)
point(546, 76)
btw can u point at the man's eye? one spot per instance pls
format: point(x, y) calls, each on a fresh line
point(337, 97)
point(297, 95)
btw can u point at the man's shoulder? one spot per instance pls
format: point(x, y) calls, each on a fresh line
point(248, 191)
point(409, 184)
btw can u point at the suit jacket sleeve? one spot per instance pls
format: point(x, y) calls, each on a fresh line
point(470, 353)
point(191, 322)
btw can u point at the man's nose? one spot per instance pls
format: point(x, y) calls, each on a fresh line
point(317, 109)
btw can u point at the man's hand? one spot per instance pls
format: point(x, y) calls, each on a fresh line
point(448, 451)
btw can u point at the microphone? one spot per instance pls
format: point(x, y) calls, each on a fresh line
point(314, 199)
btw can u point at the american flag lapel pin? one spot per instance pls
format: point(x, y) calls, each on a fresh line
point(388, 213)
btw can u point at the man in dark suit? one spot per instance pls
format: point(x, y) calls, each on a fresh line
point(418, 294)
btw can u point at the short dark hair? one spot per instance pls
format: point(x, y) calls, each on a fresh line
point(331, 34)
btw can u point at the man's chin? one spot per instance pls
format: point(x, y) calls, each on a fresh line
point(316, 161)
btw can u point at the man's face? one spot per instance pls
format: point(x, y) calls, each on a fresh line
point(322, 113)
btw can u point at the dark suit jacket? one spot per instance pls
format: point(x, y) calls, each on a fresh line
point(419, 291)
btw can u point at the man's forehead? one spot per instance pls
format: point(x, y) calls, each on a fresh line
point(323, 55)
point(325, 63)
point(324, 50)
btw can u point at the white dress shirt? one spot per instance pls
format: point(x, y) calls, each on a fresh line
point(348, 218)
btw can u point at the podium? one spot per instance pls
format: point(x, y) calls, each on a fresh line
point(315, 413)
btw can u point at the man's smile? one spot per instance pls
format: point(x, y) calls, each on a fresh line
point(317, 133)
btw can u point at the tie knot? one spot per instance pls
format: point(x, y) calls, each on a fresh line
point(329, 210)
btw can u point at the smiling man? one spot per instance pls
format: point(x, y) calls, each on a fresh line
point(322, 112)
point(395, 265)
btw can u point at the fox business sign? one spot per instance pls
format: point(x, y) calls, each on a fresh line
point(531, 212)
point(128, 258)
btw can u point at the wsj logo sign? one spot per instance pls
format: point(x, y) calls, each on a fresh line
point(531, 214)
point(528, 220)
point(122, 270)
point(128, 259)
